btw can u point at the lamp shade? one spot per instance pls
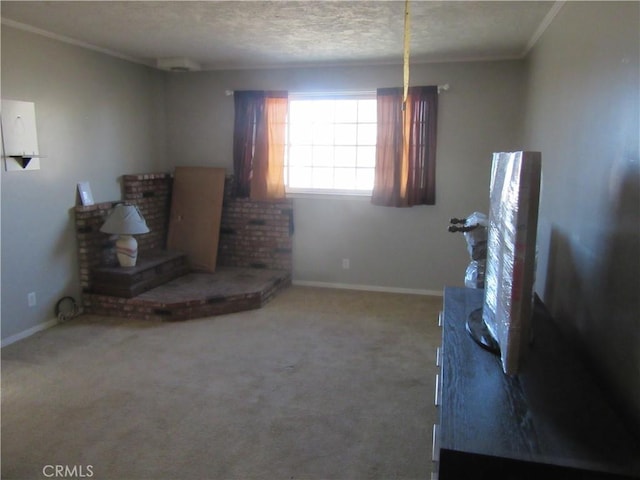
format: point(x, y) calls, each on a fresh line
point(125, 220)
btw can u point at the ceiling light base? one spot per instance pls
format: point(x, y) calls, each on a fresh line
point(178, 64)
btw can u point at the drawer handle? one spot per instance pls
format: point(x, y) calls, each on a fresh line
point(435, 448)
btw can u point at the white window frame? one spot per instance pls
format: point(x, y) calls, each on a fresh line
point(343, 95)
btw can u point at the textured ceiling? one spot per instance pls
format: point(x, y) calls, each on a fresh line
point(245, 34)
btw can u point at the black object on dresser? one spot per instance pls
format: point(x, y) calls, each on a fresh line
point(551, 421)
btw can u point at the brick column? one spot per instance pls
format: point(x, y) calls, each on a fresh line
point(151, 192)
point(255, 234)
point(94, 247)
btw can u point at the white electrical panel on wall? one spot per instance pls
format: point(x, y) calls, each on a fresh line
point(19, 136)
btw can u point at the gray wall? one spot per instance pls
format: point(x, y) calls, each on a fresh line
point(387, 247)
point(97, 118)
point(582, 112)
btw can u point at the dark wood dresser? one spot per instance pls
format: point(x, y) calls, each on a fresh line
point(551, 421)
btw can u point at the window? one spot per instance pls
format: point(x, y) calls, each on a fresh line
point(331, 143)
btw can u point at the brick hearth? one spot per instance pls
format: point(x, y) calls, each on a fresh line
point(228, 290)
point(254, 255)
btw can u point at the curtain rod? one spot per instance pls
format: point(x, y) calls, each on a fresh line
point(441, 88)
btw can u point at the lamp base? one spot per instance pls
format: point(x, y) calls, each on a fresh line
point(127, 250)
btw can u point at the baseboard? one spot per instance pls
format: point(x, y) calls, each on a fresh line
point(28, 332)
point(367, 288)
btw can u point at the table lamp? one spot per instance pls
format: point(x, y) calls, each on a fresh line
point(125, 221)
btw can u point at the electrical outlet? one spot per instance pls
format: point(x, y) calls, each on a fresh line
point(31, 299)
point(345, 263)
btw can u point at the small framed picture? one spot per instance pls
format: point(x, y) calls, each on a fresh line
point(84, 190)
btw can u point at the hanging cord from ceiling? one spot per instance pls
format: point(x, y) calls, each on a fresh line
point(407, 45)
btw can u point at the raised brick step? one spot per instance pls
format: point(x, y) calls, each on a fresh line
point(195, 295)
point(152, 269)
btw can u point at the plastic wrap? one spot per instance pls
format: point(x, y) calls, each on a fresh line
point(511, 239)
point(477, 238)
point(474, 228)
point(475, 273)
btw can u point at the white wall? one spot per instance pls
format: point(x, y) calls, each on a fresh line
point(583, 112)
point(387, 247)
point(97, 118)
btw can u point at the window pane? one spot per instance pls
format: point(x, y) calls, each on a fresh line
point(322, 111)
point(300, 177)
point(301, 156)
point(301, 111)
point(367, 134)
point(367, 157)
point(367, 110)
point(300, 133)
point(323, 156)
point(345, 134)
point(364, 179)
point(323, 134)
point(345, 178)
point(345, 156)
point(322, 178)
point(346, 111)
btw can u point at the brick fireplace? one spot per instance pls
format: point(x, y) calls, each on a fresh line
point(254, 254)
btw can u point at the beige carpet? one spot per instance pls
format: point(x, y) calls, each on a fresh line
point(318, 384)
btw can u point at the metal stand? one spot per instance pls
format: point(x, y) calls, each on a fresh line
point(480, 332)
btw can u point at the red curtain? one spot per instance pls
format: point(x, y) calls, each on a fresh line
point(406, 147)
point(258, 144)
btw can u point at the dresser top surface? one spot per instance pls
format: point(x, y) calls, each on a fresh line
point(551, 412)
